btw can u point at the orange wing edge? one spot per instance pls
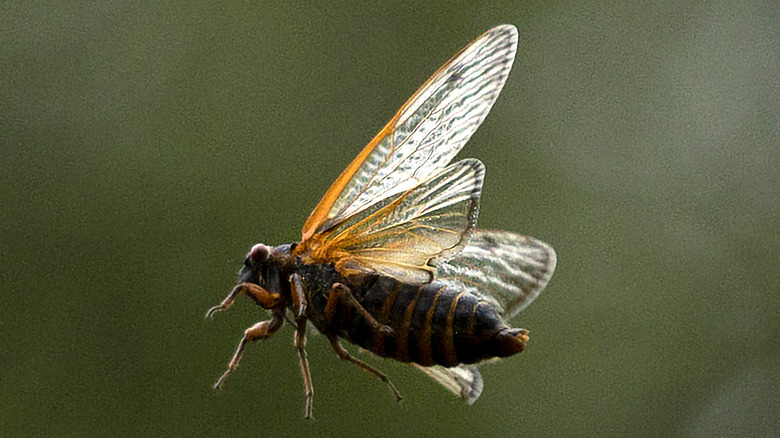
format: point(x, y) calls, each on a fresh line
point(319, 215)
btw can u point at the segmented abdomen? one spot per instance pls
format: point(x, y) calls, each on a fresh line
point(430, 325)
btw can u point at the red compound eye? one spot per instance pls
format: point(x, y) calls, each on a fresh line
point(259, 252)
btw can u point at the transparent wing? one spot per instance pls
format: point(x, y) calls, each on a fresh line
point(506, 269)
point(404, 235)
point(425, 134)
point(464, 381)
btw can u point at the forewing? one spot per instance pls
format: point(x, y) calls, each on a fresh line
point(506, 269)
point(464, 381)
point(425, 134)
point(404, 236)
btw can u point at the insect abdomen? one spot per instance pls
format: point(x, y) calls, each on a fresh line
point(432, 325)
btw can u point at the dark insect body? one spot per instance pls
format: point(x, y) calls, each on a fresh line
point(391, 259)
point(428, 325)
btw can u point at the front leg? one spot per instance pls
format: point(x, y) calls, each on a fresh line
point(266, 300)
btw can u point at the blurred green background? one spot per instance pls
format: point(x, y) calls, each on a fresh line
point(145, 148)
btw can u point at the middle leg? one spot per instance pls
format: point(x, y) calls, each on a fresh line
point(258, 332)
point(300, 344)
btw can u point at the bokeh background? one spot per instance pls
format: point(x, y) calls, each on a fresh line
point(146, 147)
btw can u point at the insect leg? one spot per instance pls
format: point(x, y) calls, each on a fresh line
point(339, 291)
point(298, 296)
point(258, 332)
point(227, 302)
point(265, 299)
point(344, 354)
point(300, 344)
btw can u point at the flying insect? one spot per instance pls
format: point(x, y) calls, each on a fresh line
point(391, 259)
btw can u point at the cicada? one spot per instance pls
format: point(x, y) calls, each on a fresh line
point(391, 260)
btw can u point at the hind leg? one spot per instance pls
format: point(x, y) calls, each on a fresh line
point(341, 295)
point(343, 354)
